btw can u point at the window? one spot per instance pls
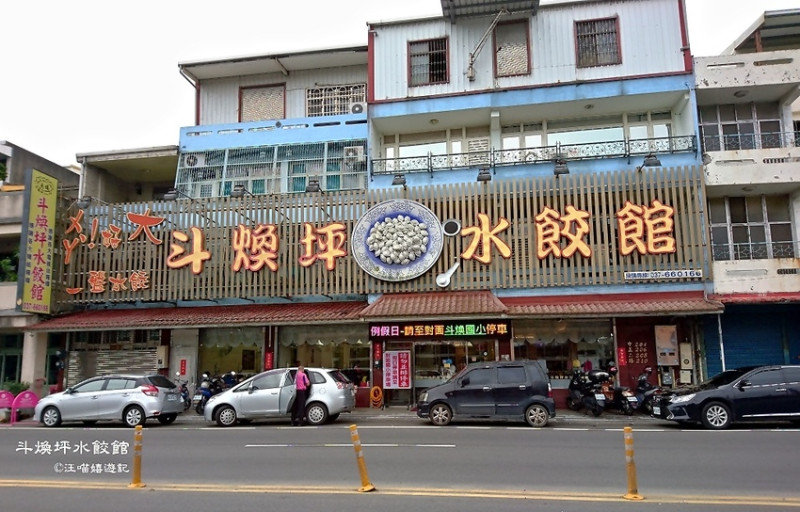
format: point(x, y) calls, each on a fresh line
point(91, 386)
point(334, 100)
point(597, 42)
point(428, 62)
point(115, 384)
point(511, 375)
point(791, 375)
point(766, 378)
point(481, 377)
point(511, 56)
point(796, 133)
point(261, 103)
point(751, 228)
point(268, 381)
point(740, 126)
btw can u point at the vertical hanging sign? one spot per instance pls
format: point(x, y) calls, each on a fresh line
point(397, 369)
point(38, 234)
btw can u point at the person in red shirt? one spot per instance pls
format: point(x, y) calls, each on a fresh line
point(301, 384)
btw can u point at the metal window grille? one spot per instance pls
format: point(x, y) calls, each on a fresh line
point(751, 228)
point(733, 127)
point(428, 61)
point(334, 100)
point(261, 103)
point(511, 49)
point(597, 43)
point(339, 165)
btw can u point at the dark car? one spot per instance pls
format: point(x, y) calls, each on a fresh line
point(514, 390)
point(745, 394)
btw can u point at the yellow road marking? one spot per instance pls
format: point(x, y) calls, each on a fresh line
point(755, 501)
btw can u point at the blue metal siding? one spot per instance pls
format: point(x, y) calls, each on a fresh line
point(753, 335)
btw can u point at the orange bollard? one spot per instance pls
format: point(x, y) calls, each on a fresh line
point(366, 485)
point(136, 477)
point(633, 487)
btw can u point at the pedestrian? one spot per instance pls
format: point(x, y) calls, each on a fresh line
point(301, 385)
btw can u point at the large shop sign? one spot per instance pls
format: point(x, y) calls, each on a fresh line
point(440, 330)
point(395, 240)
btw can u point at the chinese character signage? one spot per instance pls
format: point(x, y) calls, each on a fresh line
point(363, 243)
point(397, 369)
point(492, 329)
point(39, 229)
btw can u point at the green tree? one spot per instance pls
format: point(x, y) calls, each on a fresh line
point(8, 267)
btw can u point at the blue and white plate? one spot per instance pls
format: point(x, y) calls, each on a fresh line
point(408, 267)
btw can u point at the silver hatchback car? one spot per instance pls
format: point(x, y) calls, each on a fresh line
point(127, 398)
point(271, 395)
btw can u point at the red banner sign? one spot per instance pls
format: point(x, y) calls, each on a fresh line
point(397, 369)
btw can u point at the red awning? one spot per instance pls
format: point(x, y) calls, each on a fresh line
point(595, 306)
point(479, 303)
point(205, 316)
point(757, 298)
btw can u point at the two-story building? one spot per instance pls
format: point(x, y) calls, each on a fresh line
point(750, 119)
point(26, 232)
point(505, 181)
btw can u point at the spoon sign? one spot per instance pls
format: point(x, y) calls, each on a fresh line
point(443, 279)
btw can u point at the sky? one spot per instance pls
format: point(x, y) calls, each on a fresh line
point(85, 76)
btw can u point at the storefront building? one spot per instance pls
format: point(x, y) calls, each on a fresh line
point(559, 269)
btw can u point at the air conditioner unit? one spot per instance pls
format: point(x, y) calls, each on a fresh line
point(194, 160)
point(353, 154)
point(358, 108)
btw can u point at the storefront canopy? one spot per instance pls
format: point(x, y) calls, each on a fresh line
point(596, 306)
point(758, 298)
point(199, 317)
point(452, 305)
point(389, 307)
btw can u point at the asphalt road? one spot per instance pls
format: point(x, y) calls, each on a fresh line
point(497, 466)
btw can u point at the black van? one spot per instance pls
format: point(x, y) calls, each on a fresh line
point(510, 390)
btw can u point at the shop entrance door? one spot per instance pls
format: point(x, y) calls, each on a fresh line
point(480, 352)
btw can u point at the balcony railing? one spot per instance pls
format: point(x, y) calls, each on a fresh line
point(740, 141)
point(505, 157)
point(754, 251)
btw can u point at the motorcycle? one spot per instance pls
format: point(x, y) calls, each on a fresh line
point(645, 392)
point(183, 386)
point(208, 387)
point(620, 398)
point(585, 391)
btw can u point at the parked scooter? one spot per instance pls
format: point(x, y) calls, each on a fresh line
point(209, 386)
point(645, 392)
point(585, 391)
point(620, 398)
point(183, 386)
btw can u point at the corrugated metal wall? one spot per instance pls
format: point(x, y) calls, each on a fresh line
point(219, 98)
point(649, 31)
point(85, 364)
point(753, 335)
